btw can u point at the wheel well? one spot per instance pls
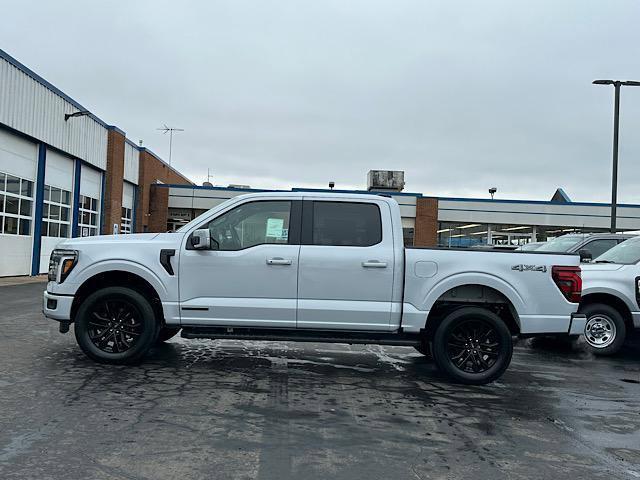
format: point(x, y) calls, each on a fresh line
point(117, 278)
point(612, 301)
point(476, 296)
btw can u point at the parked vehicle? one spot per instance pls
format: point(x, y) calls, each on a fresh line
point(529, 247)
point(587, 245)
point(309, 267)
point(611, 296)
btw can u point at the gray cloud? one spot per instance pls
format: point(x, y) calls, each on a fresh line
point(461, 95)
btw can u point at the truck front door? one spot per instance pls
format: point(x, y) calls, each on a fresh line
point(249, 276)
point(345, 278)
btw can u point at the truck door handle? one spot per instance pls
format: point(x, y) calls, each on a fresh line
point(374, 264)
point(278, 261)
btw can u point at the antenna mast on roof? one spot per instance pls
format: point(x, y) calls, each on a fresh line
point(166, 129)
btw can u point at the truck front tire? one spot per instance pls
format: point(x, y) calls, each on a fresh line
point(115, 325)
point(605, 330)
point(473, 346)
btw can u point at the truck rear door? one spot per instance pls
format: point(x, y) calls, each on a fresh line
point(345, 275)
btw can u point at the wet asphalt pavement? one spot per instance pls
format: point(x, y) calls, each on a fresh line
point(232, 409)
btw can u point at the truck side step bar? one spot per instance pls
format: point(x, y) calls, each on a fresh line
point(299, 335)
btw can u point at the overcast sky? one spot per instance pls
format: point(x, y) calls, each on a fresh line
point(461, 95)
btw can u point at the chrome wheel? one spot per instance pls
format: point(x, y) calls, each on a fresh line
point(114, 326)
point(600, 331)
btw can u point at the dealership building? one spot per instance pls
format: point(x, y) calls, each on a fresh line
point(437, 221)
point(65, 173)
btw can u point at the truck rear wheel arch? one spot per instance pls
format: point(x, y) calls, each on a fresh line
point(472, 295)
point(611, 300)
point(118, 278)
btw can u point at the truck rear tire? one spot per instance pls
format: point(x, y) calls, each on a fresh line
point(115, 325)
point(473, 346)
point(605, 330)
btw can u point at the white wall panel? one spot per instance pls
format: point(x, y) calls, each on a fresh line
point(18, 156)
point(34, 109)
point(127, 195)
point(59, 171)
point(90, 182)
point(46, 247)
point(16, 255)
point(131, 163)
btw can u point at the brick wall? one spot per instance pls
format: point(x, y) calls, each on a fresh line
point(425, 234)
point(113, 181)
point(158, 208)
point(152, 217)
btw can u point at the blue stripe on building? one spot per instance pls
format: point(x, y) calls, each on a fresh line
point(37, 216)
point(76, 198)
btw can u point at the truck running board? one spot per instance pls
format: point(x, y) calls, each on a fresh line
point(319, 336)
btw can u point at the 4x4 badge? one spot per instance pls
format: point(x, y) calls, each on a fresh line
point(530, 268)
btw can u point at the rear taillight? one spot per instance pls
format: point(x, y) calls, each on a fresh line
point(569, 282)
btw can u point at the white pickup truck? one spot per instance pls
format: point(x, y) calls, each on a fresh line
point(317, 267)
point(611, 297)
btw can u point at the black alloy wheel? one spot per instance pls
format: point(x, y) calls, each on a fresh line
point(472, 345)
point(115, 325)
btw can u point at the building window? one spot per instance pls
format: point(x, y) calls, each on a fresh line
point(16, 204)
point(125, 220)
point(408, 235)
point(88, 221)
point(56, 215)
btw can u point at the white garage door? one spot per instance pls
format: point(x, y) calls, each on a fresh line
point(89, 210)
point(18, 167)
point(128, 194)
point(57, 207)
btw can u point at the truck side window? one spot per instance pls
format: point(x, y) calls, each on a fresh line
point(346, 224)
point(252, 224)
point(598, 247)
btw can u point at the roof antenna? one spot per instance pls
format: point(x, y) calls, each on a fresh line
point(166, 129)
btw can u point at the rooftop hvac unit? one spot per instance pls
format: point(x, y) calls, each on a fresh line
point(391, 180)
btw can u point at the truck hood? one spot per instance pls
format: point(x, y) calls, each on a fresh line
point(106, 239)
point(600, 267)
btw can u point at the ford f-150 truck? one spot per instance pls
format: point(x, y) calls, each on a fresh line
point(301, 266)
point(611, 297)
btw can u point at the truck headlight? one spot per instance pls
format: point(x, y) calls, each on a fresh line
point(61, 263)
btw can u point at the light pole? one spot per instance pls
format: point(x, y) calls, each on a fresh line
point(616, 128)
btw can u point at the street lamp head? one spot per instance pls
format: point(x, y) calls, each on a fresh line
point(603, 82)
point(631, 83)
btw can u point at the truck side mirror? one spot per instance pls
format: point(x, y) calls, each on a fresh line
point(585, 255)
point(200, 239)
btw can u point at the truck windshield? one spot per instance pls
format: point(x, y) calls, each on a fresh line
point(627, 252)
point(561, 244)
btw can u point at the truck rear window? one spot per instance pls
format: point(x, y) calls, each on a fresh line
point(346, 224)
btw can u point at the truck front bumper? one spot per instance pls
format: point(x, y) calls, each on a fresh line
point(578, 322)
point(57, 307)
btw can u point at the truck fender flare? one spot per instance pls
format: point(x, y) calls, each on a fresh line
point(128, 266)
point(630, 303)
point(473, 278)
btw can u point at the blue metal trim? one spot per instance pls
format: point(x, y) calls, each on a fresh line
point(134, 209)
point(37, 214)
point(493, 212)
point(102, 190)
point(76, 198)
point(113, 127)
